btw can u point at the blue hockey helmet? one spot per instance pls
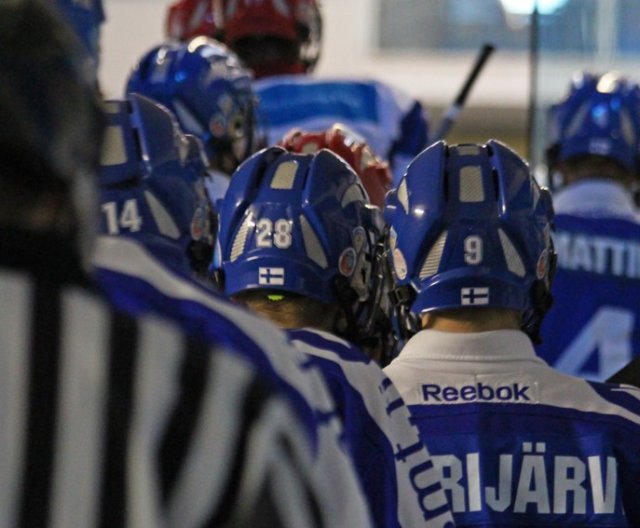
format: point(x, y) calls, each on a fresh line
point(469, 227)
point(203, 83)
point(302, 224)
point(599, 117)
point(152, 181)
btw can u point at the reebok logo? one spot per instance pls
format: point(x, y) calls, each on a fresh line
point(513, 392)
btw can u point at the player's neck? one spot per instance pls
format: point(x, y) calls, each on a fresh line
point(467, 321)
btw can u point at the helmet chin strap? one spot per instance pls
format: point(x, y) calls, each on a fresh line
point(541, 301)
point(345, 321)
point(401, 299)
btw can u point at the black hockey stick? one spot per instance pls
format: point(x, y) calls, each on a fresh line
point(629, 374)
point(451, 114)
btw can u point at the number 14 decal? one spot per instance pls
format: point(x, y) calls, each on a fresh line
point(128, 220)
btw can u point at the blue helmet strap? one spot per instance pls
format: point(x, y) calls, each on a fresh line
point(541, 301)
point(378, 324)
point(367, 324)
point(216, 274)
point(401, 299)
point(350, 314)
point(200, 254)
point(347, 298)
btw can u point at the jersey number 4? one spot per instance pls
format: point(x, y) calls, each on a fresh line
point(609, 332)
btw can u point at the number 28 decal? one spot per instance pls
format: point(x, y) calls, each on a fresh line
point(269, 234)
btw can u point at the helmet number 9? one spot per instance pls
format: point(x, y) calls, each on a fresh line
point(267, 236)
point(473, 250)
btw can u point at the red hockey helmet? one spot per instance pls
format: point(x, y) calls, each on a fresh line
point(193, 18)
point(374, 173)
point(296, 21)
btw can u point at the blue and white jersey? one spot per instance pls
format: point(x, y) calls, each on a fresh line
point(393, 123)
point(593, 328)
point(518, 443)
point(137, 283)
point(400, 482)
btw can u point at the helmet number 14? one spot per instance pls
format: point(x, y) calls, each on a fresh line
point(128, 220)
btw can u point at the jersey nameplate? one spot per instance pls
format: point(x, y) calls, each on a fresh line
point(597, 254)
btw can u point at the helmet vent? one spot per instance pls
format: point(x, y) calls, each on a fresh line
point(403, 195)
point(114, 151)
point(312, 245)
point(514, 262)
point(495, 179)
point(432, 262)
point(241, 238)
point(282, 7)
point(355, 193)
point(188, 119)
point(577, 121)
point(162, 218)
point(285, 176)
point(626, 124)
point(471, 187)
point(468, 150)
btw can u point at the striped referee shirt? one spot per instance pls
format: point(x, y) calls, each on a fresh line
point(139, 283)
point(110, 421)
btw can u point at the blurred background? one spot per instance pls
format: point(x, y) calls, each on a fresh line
point(427, 47)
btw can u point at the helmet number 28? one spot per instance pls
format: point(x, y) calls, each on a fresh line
point(269, 234)
point(473, 250)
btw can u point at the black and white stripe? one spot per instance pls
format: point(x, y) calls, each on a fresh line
point(107, 421)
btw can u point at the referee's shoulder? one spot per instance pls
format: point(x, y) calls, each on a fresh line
point(205, 411)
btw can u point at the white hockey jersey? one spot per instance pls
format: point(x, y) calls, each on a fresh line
point(393, 123)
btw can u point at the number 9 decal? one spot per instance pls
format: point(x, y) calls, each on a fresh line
point(473, 250)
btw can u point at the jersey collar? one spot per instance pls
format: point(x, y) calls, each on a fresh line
point(595, 196)
point(498, 346)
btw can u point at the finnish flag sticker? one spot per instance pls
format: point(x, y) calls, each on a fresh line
point(471, 296)
point(271, 276)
